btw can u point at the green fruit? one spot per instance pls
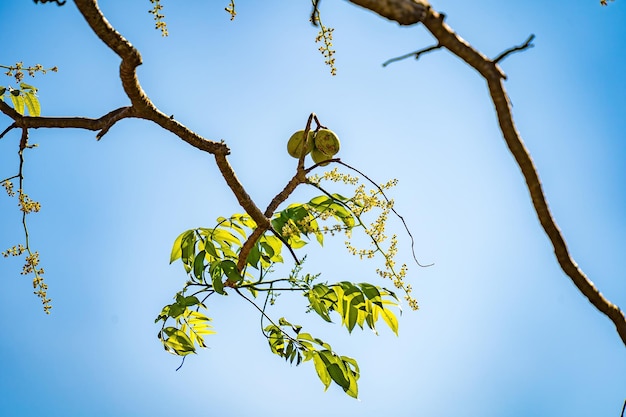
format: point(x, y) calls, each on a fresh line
point(296, 141)
point(319, 156)
point(327, 142)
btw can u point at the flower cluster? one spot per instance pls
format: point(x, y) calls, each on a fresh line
point(14, 251)
point(8, 186)
point(335, 176)
point(158, 17)
point(31, 266)
point(325, 35)
point(361, 203)
point(18, 69)
point(231, 10)
point(26, 204)
point(31, 260)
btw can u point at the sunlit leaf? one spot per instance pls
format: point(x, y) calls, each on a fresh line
point(18, 102)
point(390, 319)
point(254, 256)
point(178, 342)
point(230, 269)
point(32, 103)
point(177, 247)
point(25, 86)
point(198, 265)
point(322, 371)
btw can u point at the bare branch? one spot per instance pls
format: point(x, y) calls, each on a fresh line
point(494, 76)
point(7, 130)
point(144, 108)
point(103, 124)
point(525, 45)
point(415, 54)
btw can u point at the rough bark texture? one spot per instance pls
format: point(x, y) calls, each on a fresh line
point(405, 12)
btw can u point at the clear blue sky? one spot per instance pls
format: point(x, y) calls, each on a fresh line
point(501, 330)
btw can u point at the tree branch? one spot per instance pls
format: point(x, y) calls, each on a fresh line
point(415, 54)
point(103, 124)
point(518, 48)
point(494, 76)
point(405, 12)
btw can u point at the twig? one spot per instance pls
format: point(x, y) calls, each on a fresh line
point(315, 11)
point(416, 54)
point(525, 45)
point(298, 178)
point(58, 2)
point(7, 130)
point(406, 227)
point(623, 408)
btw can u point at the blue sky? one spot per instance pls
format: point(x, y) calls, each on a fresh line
point(501, 331)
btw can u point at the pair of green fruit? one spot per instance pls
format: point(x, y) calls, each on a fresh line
point(322, 145)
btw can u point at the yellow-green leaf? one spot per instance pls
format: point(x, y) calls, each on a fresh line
point(18, 103)
point(32, 103)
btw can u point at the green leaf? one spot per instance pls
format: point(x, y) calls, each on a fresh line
point(177, 342)
point(32, 103)
point(215, 271)
point(177, 247)
point(209, 248)
point(221, 235)
point(353, 376)
point(230, 269)
point(2, 90)
point(321, 300)
point(276, 340)
point(322, 371)
point(198, 265)
point(199, 326)
point(189, 301)
point(335, 368)
point(351, 317)
point(390, 319)
point(188, 248)
point(254, 256)
point(18, 102)
point(25, 86)
point(372, 292)
point(175, 310)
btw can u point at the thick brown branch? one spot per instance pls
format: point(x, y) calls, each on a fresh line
point(523, 159)
point(494, 76)
point(405, 12)
point(143, 106)
point(237, 188)
point(103, 124)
